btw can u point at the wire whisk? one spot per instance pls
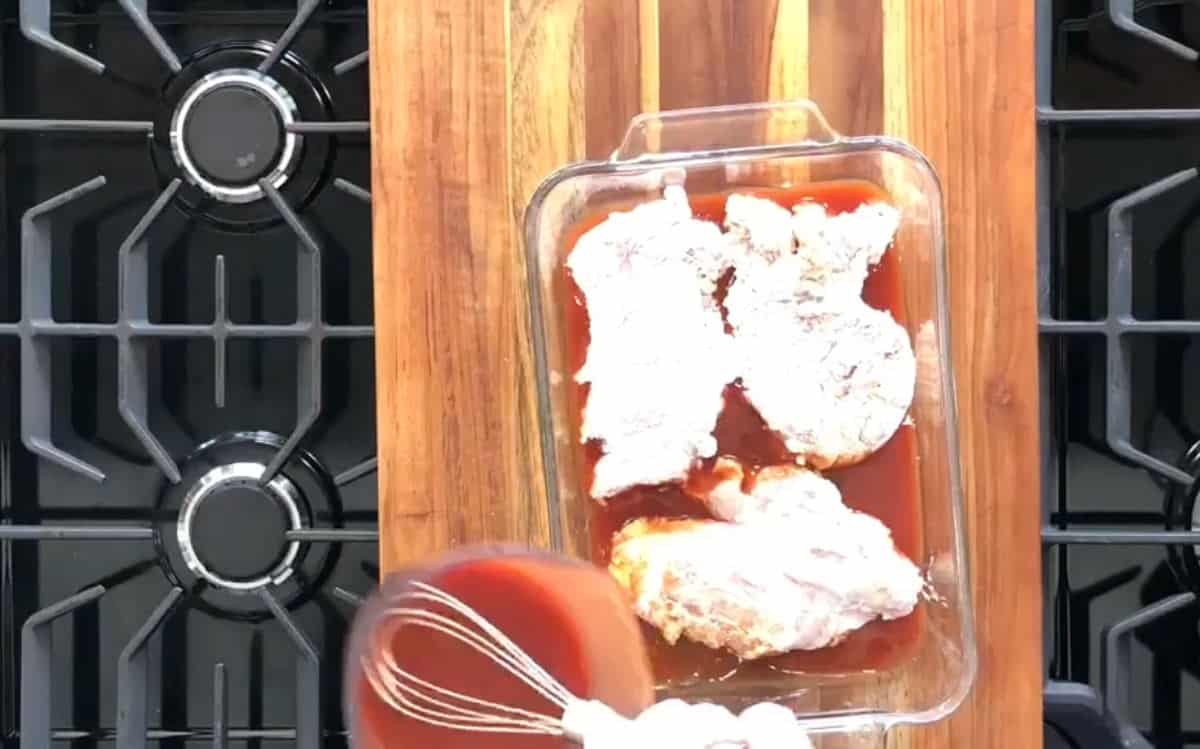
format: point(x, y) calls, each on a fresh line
point(584, 722)
point(419, 699)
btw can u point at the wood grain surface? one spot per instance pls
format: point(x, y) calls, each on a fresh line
point(475, 101)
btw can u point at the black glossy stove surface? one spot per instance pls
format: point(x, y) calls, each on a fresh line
point(1098, 66)
point(261, 380)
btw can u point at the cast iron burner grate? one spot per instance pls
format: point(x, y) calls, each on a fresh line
point(245, 527)
point(1118, 115)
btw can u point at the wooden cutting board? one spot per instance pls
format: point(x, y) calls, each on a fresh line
point(475, 101)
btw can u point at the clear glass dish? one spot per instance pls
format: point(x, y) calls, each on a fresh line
point(722, 149)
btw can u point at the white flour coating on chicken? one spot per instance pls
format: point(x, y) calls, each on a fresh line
point(839, 249)
point(760, 228)
point(658, 357)
point(807, 254)
point(834, 381)
point(798, 570)
point(783, 493)
point(831, 375)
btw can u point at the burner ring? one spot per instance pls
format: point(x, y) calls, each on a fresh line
point(235, 167)
point(253, 103)
point(220, 532)
point(240, 476)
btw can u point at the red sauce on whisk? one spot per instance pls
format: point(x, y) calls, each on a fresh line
point(568, 617)
point(884, 485)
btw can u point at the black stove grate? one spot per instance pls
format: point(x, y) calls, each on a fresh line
point(1118, 119)
point(140, 397)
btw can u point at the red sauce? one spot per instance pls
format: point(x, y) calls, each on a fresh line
point(884, 485)
point(586, 638)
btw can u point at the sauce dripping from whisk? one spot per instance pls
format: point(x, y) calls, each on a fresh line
point(568, 617)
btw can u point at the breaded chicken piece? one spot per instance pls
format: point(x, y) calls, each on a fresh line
point(835, 382)
point(807, 253)
point(831, 375)
point(658, 358)
point(795, 570)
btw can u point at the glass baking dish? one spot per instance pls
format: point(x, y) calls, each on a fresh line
point(717, 150)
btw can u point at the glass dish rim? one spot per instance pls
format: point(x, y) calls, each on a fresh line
point(838, 145)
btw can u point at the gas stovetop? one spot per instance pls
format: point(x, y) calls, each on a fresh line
point(1119, 252)
point(187, 493)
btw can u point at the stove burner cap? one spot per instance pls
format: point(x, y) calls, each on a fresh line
point(234, 135)
point(230, 131)
point(220, 533)
point(231, 496)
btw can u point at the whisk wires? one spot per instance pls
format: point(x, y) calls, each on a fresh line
point(434, 704)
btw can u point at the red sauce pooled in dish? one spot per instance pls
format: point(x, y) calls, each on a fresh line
point(570, 618)
point(884, 485)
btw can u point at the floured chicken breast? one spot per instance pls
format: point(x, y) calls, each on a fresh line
point(797, 570)
point(806, 253)
point(838, 250)
point(659, 357)
point(832, 375)
point(780, 493)
point(834, 381)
